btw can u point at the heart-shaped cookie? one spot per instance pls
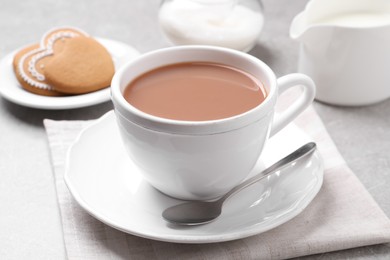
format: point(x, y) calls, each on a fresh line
point(67, 61)
point(29, 63)
point(82, 66)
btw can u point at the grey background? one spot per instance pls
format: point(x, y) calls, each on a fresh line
point(29, 217)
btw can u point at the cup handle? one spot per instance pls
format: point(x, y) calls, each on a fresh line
point(297, 107)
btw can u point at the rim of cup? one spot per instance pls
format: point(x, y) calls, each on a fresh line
point(186, 53)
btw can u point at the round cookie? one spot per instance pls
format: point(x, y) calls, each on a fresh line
point(45, 91)
point(21, 52)
point(82, 66)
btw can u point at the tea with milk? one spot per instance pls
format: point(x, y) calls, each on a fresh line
point(195, 91)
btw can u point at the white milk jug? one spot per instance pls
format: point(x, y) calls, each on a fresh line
point(345, 49)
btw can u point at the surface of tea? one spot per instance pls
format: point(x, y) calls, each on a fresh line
point(195, 92)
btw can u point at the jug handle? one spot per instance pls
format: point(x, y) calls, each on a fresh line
point(299, 105)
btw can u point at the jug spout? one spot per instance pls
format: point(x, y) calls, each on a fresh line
point(344, 15)
point(309, 34)
point(298, 27)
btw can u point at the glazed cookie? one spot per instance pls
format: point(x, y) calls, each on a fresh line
point(67, 61)
point(46, 90)
point(29, 63)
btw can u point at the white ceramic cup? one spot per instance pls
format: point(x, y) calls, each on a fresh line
point(198, 160)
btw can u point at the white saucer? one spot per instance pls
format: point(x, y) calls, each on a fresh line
point(11, 89)
point(106, 183)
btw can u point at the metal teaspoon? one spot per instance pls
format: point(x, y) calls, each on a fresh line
point(202, 212)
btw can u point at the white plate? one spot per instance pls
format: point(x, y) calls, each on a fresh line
point(106, 183)
point(11, 89)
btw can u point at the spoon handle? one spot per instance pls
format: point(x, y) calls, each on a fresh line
point(300, 152)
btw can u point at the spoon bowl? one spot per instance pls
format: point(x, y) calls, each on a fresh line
point(196, 212)
point(203, 212)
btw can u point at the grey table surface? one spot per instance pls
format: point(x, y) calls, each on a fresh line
point(29, 216)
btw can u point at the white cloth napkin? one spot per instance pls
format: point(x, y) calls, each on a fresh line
point(343, 215)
